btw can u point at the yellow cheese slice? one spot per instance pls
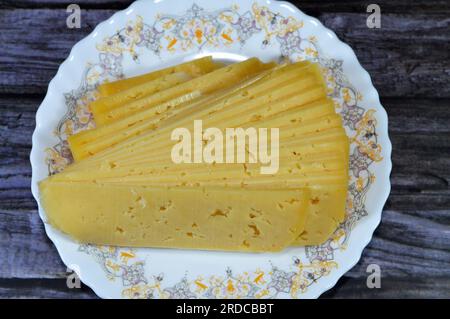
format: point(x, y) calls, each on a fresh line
point(289, 143)
point(120, 130)
point(193, 218)
point(332, 140)
point(129, 161)
point(336, 178)
point(206, 83)
point(325, 152)
point(325, 212)
point(331, 153)
point(287, 98)
point(145, 120)
point(195, 172)
point(137, 92)
point(288, 151)
point(91, 142)
point(286, 132)
point(75, 208)
point(194, 68)
point(258, 84)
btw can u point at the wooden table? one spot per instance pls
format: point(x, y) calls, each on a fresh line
point(409, 61)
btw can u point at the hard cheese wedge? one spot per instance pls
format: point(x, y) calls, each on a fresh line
point(231, 93)
point(193, 68)
point(218, 172)
point(211, 219)
point(325, 212)
point(123, 129)
point(293, 157)
point(137, 92)
point(293, 149)
point(301, 92)
point(331, 140)
point(205, 84)
point(126, 189)
point(159, 107)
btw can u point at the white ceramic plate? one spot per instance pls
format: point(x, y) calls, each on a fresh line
point(153, 34)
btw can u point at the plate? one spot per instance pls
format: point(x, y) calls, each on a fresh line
point(153, 34)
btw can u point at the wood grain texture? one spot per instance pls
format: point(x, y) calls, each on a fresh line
point(346, 287)
point(31, 53)
point(400, 247)
point(409, 64)
point(42, 288)
point(391, 288)
point(309, 6)
point(407, 57)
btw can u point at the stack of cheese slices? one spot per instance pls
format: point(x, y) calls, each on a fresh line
point(125, 189)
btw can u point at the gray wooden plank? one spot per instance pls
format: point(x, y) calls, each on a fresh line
point(417, 171)
point(406, 115)
point(417, 213)
point(355, 288)
point(409, 242)
point(31, 53)
point(425, 287)
point(422, 154)
point(25, 250)
point(417, 115)
point(398, 6)
point(406, 244)
point(416, 140)
point(42, 288)
point(407, 57)
point(346, 288)
point(410, 189)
